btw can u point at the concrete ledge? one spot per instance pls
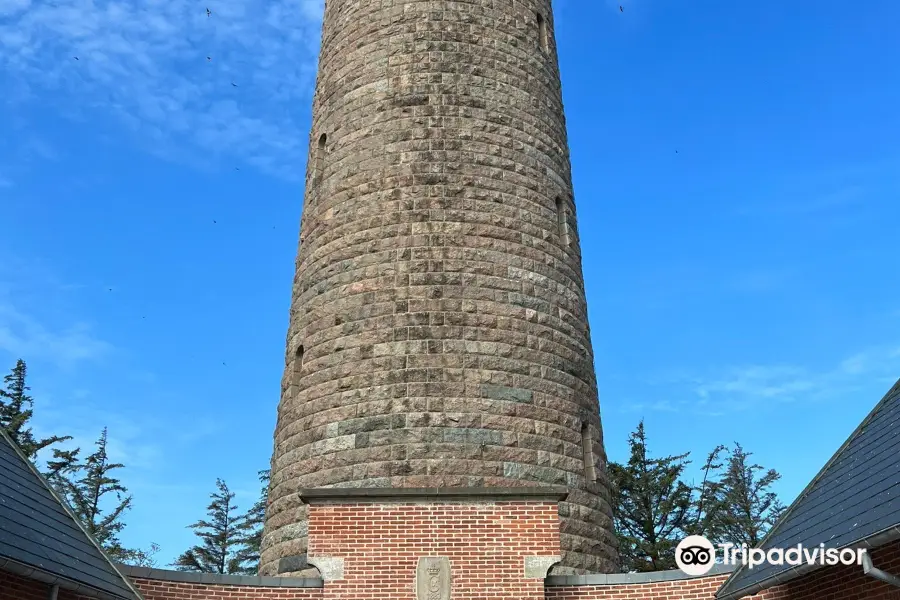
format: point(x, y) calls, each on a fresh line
point(632, 578)
point(456, 494)
point(216, 579)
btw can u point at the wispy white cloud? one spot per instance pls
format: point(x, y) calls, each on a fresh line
point(832, 192)
point(24, 335)
point(145, 61)
point(31, 327)
point(127, 443)
point(752, 386)
point(827, 200)
point(656, 406)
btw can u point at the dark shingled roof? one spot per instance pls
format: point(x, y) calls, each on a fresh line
point(40, 537)
point(854, 501)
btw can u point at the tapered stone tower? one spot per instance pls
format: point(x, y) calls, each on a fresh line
point(438, 328)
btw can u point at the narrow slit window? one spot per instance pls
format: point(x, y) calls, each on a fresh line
point(542, 32)
point(562, 221)
point(320, 157)
point(298, 364)
point(587, 445)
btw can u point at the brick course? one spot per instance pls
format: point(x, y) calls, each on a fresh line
point(700, 588)
point(843, 582)
point(827, 583)
point(15, 587)
point(371, 574)
point(438, 328)
point(154, 589)
point(487, 544)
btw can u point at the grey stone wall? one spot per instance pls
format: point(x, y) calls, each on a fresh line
point(438, 298)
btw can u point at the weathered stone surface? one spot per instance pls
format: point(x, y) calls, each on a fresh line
point(433, 578)
point(290, 564)
point(438, 296)
point(536, 567)
point(331, 568)
point(499, 392)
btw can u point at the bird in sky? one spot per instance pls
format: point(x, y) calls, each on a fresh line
point(208, 13)
point(621, 9)
point(233, 84)
point(75, 57)
point(209, 58)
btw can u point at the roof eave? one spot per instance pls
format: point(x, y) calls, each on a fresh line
point(31, 572)
point(877, 540)
point(65, 505)
point(806, 490)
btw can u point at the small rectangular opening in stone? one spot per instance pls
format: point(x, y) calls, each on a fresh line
point(542, 32)
point(587, 444)
point(320, 159)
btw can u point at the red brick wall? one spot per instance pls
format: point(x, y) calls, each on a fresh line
point(155, 589)
point(486, 542)
point(13, 587)
point(827, 583)
point(701, 588)
point(844, 583)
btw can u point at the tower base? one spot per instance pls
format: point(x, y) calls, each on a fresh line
point(434, 544)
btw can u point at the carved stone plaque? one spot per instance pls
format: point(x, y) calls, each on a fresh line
point(433, 578)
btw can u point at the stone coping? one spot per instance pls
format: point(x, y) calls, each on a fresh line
point(297, 582)
point(632, 578)
point(456, 494)
point(216, 579)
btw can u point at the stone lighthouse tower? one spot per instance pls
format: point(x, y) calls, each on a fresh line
point(438, 327)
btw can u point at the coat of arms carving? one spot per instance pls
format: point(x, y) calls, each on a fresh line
point(433, 578)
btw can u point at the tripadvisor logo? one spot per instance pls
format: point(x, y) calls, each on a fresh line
point(696, 555)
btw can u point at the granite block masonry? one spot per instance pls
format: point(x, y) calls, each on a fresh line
point(438, 330)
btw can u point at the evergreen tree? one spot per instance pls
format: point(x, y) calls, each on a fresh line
point(141, 558)
point(704, 510)
point(651, 506)
point(745, 505)
point(89, 488)
point(252, 527)
point(16, 410)
point(62, 468)
point(221, 537)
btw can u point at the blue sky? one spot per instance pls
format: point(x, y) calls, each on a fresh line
point(736, 174)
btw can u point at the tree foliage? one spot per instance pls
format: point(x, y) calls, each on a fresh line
point(16, 411)
point(96, 496)
point(220, 550)
point(654, 508)
point(704, 517)
point(252, 527)
point(651, 506)
point(142, 558)
point(746, 505)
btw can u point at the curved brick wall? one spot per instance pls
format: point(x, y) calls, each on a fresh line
point(438, 298)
